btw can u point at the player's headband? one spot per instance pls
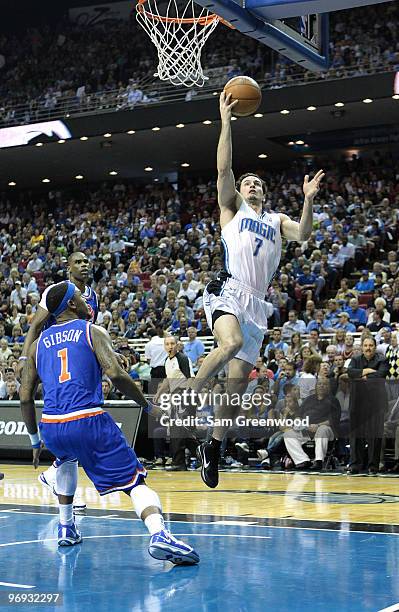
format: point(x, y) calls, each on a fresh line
point(68, 295)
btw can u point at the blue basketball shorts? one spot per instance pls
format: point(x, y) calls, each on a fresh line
point(101, 449)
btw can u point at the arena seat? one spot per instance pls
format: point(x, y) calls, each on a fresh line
point(365, 298)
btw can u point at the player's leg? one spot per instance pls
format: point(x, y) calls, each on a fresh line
point(56, 438)
point(48, 479)
point(117, 468)
point(227, 332)
point(66, 481)
point(209, 452)
point(163, 545)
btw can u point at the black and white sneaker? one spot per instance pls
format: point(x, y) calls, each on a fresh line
point(209, 458)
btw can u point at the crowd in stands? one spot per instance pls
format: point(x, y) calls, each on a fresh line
point(154, 248)
point(40, 66)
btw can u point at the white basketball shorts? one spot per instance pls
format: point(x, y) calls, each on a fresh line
point(247, 305)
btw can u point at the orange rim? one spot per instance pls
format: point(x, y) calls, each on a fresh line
point(203, 21)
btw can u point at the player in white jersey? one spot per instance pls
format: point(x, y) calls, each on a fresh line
point(235, 303)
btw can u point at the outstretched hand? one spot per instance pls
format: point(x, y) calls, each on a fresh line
point(226, 106)
point(311, 188)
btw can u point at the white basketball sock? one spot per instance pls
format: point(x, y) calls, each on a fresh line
point(66, 514)
point(66, 479)
point(154, 523)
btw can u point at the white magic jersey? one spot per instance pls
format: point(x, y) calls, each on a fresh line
point(252, 245)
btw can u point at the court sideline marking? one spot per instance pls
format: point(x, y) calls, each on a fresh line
point(121, 518)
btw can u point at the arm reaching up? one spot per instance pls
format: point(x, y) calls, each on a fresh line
point(111, 367)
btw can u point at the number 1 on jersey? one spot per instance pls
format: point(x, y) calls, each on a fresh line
point(259, 243)
point(65, 375)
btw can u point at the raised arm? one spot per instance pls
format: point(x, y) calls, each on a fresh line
point(36, 326)
point(27, 396)
point(228, 197)
point(109, 362)
point(292, 230)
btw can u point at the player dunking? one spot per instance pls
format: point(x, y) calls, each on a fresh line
point(234, 303)
point(69, 358)
point(78, 273)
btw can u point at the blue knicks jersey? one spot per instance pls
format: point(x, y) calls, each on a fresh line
point(68, 368)
point(89, 296)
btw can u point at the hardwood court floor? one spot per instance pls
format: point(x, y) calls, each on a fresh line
point(286, 542)
point(289, 496)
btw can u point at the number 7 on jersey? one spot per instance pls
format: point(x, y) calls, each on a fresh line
point(65, 374)
point(259, 243)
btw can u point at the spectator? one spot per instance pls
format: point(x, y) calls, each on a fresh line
point(377, 323)
point(18, 296)
point(324, 413)
point(357, 315)
point(293, 325)
point(5, 351)
point(11, 390)
point(366, 284)
point(155, 353)
point(178, 368)
point(194, 348)
point(117, 323)
point(380, 307)
point(368, 405)
point(287, 375)
point(344, 324)
point(308, 376)
point(35, 263)
point(295, 345)
point(108, 393)
point(344, 293)
point(276, 343)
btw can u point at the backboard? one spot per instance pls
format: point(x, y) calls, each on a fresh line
point(297, 29)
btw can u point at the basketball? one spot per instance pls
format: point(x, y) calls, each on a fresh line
point(247, 92)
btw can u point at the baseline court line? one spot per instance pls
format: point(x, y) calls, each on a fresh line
point(18, 586)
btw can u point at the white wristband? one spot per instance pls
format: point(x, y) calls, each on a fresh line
point(34, 439)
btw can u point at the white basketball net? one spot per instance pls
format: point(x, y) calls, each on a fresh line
point(179, 38)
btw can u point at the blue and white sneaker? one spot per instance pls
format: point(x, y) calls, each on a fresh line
point(68, 535)
point(165, 547)
point(43, 480)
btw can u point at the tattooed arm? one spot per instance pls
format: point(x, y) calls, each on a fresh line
point(27, 390)
point(109, 362)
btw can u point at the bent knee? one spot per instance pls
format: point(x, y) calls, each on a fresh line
point(231, 345)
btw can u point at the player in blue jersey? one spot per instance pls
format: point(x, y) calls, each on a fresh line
point(69, 359)
point(79, 272)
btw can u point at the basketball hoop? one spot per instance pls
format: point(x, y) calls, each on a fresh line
point(179, 37)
